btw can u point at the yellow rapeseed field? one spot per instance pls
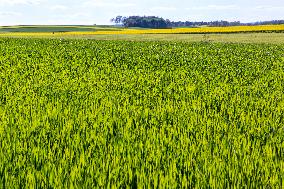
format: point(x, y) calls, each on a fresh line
point(198, 30)
point(201, 30)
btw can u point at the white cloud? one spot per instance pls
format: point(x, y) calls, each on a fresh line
point(59, 8)
point(215, 7)
point(101, 3)
point(269, 8)
point(163, 9)
point(20, 2)
point(71, 19)
point(72, 16)
point(9, 14)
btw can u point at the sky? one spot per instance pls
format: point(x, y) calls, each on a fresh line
point(89, 12)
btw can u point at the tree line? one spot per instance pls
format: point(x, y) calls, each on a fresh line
point(158, 22)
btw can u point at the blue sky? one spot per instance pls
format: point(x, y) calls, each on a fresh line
point(13, 12)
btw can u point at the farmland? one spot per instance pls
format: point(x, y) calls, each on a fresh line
point(107, 30)
point(56, 28)
point(129, 114)
point(266, 38)
point(271, 34)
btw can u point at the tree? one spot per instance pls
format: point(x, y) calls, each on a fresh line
point(145, 22)
point(117, 20)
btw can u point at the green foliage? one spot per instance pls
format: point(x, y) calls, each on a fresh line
point(143, 21)
point(117, 114)
point(60, 29)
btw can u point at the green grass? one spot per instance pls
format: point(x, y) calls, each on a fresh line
point(122, 114)
point(48, 29)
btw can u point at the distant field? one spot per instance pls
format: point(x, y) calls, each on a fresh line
point(240, 34)
point(48, 29)
point(93, 30)
point(269, 38)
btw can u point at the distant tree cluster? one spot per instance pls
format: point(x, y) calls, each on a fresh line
point(272, 22)
point(210, 24)
point(157, 22)
point(142, 21)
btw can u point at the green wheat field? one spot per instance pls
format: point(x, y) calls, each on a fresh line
point(140, 114)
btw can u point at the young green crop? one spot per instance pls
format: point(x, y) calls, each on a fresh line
point(117, 114)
